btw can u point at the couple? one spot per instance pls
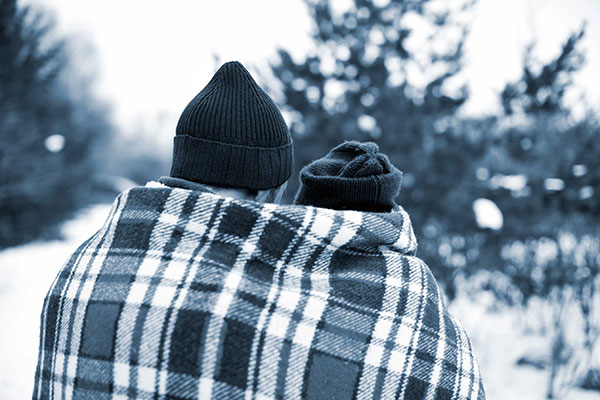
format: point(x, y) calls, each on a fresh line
point(201, 286)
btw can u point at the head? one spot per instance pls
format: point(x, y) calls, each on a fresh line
point(233, 138)
point(352, 176)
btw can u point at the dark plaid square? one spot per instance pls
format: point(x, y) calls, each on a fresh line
point(238, 221)
point(111, 287)
point(235, 353)
point(94, 375)
point(186, 342)
point(260, 270)
point(416, 388)
point(133, 234)
point(100, 329)
point(223, 253)
point(52, 304)
point(330, 377)
point(276, 228)
point(431, 319)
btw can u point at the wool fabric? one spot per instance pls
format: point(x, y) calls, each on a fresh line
point(233, 135)
point(186, 295)
point(352, 176)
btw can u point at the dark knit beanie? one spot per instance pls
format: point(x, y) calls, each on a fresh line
point(233, 135)
point(352, 176)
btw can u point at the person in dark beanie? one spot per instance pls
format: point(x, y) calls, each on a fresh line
point(232, 139)
point(352, 176)
point(192, 289)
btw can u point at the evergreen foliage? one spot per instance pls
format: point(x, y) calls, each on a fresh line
point(365, 82)
point(359, 84)
point(48, 128)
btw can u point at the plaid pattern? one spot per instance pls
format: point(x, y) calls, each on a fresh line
point(184, 295)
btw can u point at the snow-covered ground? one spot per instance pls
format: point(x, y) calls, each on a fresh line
point(499, 340)
point(26, 273)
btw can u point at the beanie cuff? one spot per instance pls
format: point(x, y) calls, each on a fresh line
point(376, 192)
point(230, 165)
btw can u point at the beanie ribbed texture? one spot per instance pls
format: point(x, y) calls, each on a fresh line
point(352, 176)
point(233, 135)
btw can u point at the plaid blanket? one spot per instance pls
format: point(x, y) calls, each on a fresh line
point(184, 294)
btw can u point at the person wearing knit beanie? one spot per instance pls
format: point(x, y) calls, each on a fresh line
point(232, 138)
point(352, 176)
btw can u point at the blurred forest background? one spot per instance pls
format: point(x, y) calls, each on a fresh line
point(504, 205)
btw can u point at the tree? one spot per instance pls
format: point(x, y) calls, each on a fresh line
point(365, 80)
point(49, 128)
point(542, 91)
point(555, 214)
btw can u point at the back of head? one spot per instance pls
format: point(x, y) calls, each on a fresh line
point(352, 176)
point(233, 135)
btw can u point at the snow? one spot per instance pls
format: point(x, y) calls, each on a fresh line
point(514, 183)
point(554, 184)
point(28, 271)
point(54, 143)
point(498, 341)
point(487, 214)
point(366, 122)
point(579, 170)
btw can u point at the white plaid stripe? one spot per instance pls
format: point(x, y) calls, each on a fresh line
point(316, 304)
point(474, 370)
point(420, 285)
point(136, 296)
point(147, 374)
point(405, 240)
point(458, 383)
point(298, 354)
point(466, 380)
point(232, 280)
point(84, 296)
point(468, 371)
point(195, 227)
point(65, 330)
point(63, 327)
point(277, 327)
point(162, 299)
point(471, 371)
point(411, 240)
point(441, 348)
point(43, 323)
point(375, 352)
point(407, 335)
point(286, 300)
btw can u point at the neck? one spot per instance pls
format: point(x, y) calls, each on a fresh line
point(263, 196)
point(239, 194)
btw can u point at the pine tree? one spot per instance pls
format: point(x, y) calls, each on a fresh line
point(558, 208)
point(542, 91)
point(365, 81)
point(48, 131)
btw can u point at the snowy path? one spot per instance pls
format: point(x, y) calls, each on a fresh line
point(26, 273)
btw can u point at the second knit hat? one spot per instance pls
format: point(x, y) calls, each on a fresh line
point(352, 176)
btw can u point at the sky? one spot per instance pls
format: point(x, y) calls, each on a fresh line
point(151, 57)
